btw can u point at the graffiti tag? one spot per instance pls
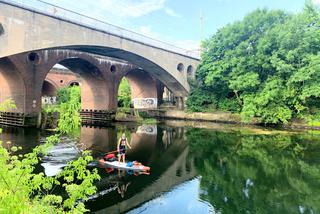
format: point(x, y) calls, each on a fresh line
point(144, 103)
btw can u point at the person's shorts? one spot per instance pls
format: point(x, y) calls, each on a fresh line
point(122, 152)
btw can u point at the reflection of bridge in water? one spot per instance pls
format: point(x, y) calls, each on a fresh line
point(164, 149)
point(178, 172)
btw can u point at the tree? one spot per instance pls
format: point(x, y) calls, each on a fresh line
point(69, 108)
point(124, 94)
point(268, 63)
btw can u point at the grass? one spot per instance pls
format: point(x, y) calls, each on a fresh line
point(140, 117)
point(149, 121)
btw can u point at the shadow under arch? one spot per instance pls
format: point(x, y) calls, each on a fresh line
point(49, 88)
point(12, 85)
point(73, 83)
point(145, 64)
point(94, 88)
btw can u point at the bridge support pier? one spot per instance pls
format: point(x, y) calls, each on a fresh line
point(144, 89)
point(180, 104)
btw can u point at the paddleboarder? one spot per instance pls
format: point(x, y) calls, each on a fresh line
point(121, 148)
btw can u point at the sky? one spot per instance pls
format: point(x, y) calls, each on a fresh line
point(175, 21)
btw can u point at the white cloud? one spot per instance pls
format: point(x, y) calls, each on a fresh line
point(316, 2)
point(131, 8)
point(120, 12)
point(191, 45)
point(171, 12)
point(134, 8)
point(123, 12)
point(147, 31)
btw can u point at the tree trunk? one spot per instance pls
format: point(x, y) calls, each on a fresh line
point(238, 98)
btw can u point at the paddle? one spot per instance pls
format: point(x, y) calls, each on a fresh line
point(114, 151)
point(94, 163)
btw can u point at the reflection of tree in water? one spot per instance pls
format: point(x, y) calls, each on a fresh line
point(257, 173)
point(167, 138)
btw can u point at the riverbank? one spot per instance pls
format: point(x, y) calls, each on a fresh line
point(222, 117)
point(49, 121)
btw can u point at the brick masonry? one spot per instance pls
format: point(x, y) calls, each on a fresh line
point(23, 76)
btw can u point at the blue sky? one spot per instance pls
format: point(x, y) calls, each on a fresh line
point(175, 21)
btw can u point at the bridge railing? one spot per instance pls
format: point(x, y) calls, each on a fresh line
point(69, 15)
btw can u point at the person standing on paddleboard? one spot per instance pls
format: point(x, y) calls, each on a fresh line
point(121, 148)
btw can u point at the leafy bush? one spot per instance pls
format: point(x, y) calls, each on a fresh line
point(7, 104)
point(64, 94)
point(24, 191)
point(69, 119)
point(231, 105)
point(200, 99)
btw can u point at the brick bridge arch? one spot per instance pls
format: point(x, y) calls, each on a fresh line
point(99, 78)
point(23, 76)
point(49, 88)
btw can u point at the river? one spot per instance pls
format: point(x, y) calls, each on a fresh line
point(195, 168)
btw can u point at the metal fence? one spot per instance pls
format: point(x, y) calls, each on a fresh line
point(71, 16)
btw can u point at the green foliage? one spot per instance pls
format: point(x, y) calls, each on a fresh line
point(124, 94)
point(24, 191)
point(269, 63)
point(149, 121)
point(50, 108)
point(78, 182)
point(201, 99)
point(65, 94)
point(69, 119)
point(229, 105)
point(7, 105)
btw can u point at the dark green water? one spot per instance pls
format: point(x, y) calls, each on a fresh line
point(224, 169)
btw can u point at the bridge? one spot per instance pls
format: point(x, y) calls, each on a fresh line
point(35, 36)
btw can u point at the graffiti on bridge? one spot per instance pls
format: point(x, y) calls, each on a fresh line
point(145, 103)
point(49, 100)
